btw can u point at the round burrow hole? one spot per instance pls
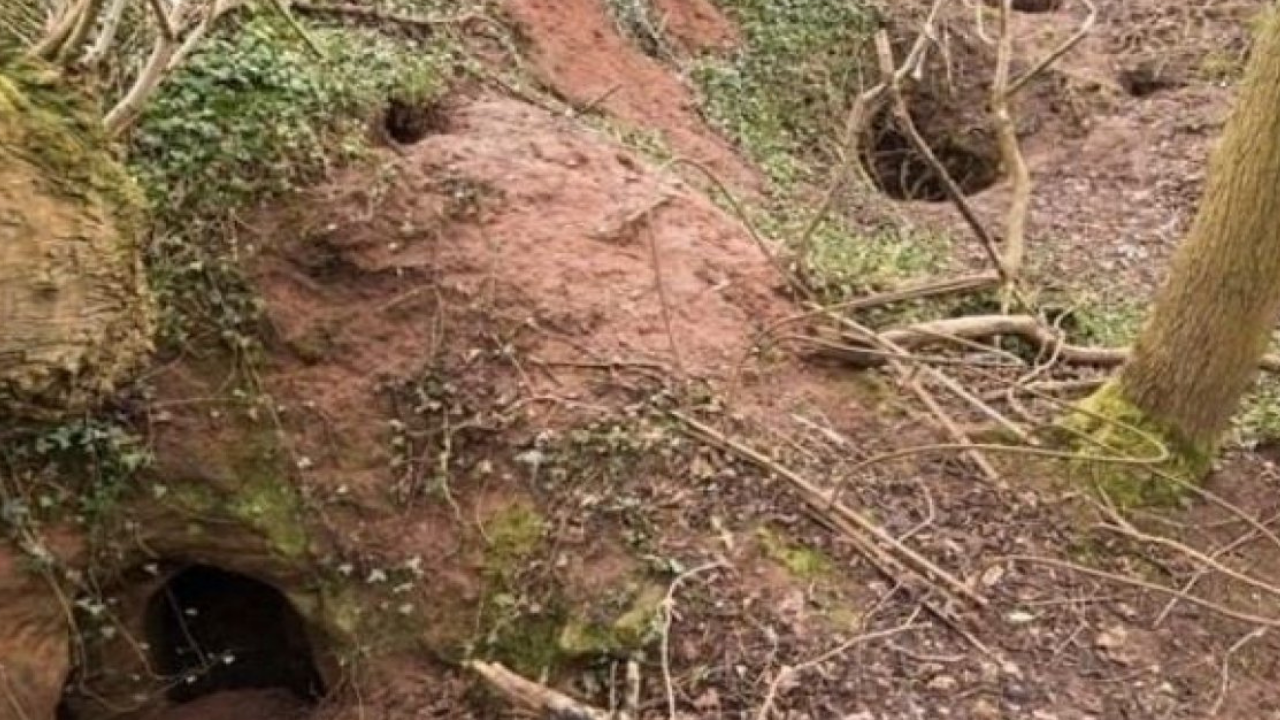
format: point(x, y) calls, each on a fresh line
point(970, 158)
point(211, 630)
point(409, 122)
point(1031, 6)
point(1146, 79)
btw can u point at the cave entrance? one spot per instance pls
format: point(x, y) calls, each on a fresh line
point(408, 122)
point(902, 173)
point(212, 630)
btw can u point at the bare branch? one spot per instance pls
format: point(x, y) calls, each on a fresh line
point(53, 41)
point(1015, 229)
point(107, 36)
point(532, 695)
point(858, 527)
point(1085, 28)
point(164, 23)
point(978, 327)
point(902, 114)
point(84, 26)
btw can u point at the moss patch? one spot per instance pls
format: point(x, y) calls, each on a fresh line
point(805, 563)
point(628, 632)
point(260, 496)
point(514, 533)
point(58, 129)
point(1104, 424)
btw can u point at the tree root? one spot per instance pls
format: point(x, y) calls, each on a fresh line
point(982, 327)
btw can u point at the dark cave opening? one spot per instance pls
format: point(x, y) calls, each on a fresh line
point(902, 173)
point(212, 630)
point(409, 122)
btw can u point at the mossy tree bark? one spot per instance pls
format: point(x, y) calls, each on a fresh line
point(1212, 320)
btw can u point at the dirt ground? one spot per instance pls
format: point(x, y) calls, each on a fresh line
point(533, 301)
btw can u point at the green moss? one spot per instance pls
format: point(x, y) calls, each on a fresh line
point(630, 631)
point(803, 562)
point(528, 643)
point(57, 128)
point(260, 495)
point(1107, 419)
point(514, 533)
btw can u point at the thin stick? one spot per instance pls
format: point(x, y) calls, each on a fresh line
point(817, 498)
point(884, 53)
point(1225, 682)
point(1145, 585)
point(668, 612)
point(1057, 52)
point(164, 23)
point(1019, 174)
point(53, 40)
point(976, 327)
point(863, 107)
point(662, 294)
point(107, 36)
point(532, 695)
point(794, 282)
point(1190, 585)
point(1124, 527)
point(912, 382)
point(790, 671)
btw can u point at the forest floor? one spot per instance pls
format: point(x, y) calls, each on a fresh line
point(521, 354)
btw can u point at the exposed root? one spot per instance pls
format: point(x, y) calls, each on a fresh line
point(985, 327)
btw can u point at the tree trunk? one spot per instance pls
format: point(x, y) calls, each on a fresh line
point(1213, 317)
point(75, 314)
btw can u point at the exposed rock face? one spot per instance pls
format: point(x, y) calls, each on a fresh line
point(34, 641)
point(76, 312)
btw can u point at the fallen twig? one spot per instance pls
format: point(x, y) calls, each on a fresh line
point(1145, 585)
point(668, 614)
point(534, 696)
point(1225, 675)
point(788, 672)
point(365, 12)
point(976, 327)
point(867, 532)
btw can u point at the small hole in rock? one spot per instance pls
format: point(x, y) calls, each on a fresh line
point(903, 173)
point(409, 122)
point(1146, 80)
point(211, 630)
point(1031, 6)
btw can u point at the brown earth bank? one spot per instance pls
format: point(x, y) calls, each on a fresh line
point(466, 440)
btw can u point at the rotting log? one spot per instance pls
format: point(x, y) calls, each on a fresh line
point(75, 312)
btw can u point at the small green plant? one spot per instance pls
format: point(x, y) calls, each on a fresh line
point(253, 114)
point(843, 263)
point(1104, 322)
point(78, 470)
point(1258, 421)
point(636, 20)
point(784, 95)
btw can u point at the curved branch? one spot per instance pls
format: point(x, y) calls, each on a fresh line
point(978, 327)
